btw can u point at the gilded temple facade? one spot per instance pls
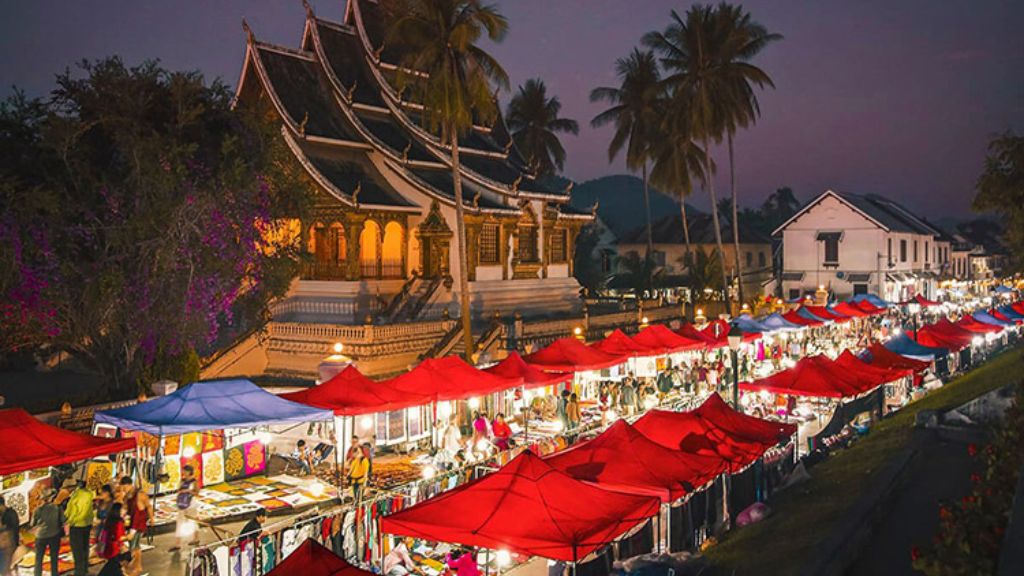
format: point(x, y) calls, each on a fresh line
point(381, 244)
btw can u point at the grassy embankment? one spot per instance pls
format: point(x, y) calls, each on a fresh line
point(805, 514)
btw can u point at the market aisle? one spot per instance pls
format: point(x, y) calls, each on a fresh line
point(942, 472)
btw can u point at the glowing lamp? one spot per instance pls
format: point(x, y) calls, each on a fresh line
point(482, 445)
point(366, 423)
point(474, 403)
point(643, 320)
point(338, 347)
point(745, 400)
point(429, 472)
point(503, 558)
point(977, 341)
point(188, 452)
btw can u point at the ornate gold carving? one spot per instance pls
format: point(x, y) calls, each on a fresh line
point(302, 125)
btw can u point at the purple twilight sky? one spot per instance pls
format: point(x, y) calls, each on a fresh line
point(897, 98)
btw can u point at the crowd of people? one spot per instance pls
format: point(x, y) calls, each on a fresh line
point(112, 520)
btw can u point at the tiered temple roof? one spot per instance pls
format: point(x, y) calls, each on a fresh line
point(346, 122)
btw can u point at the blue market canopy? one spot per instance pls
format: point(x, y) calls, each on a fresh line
point(986, 318)
point(875, 300)
point(1003, 289)
point(904, 346)
point(1010, 313)
point(805, 313)
point(210, 406)
point(775, 321)
point(748, 324)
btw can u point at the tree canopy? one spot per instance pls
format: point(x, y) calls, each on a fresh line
point(140, 215)
point(534, 120)
point(1000, 189)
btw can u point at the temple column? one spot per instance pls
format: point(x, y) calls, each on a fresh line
point(353, 235)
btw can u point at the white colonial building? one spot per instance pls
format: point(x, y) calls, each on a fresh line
point(853, 244)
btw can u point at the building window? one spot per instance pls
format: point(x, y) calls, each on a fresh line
point(658, 257)
point(915, 250)
point(903, 250)
point(527, 243)
point(750, 260)
point(889, 253)
point(860, 289)
point(794, 293)
point(927, 254)
point(489, 244)
point(559, 254)
point(761, 260)
point(831, 240)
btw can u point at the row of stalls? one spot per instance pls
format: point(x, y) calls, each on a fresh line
point(36, 463)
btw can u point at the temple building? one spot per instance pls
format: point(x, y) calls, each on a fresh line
point(381, 241)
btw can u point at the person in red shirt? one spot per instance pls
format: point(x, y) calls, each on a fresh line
point(464, 564)
point(502, 432)
point(108, 546)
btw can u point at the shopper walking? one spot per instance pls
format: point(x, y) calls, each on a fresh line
point(358, 475)
point(79, 513)
point(48, 523)
point(139, 510)
point(111, 539)
point(183, 527)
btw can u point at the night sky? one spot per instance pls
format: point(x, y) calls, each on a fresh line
point(897, 98)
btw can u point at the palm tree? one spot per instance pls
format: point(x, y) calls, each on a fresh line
point(745, 39)
point(779, 206)
point(453, 76)
point(635, 113)
point(677, 160)
point(533, 119)
point(710, 80)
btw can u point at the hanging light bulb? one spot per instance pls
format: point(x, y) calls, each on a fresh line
point(503, 558)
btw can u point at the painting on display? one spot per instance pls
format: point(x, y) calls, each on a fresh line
point(191, 443)
point(213, 468)
point(172, 445)
point(212, 441)
point(255, 457)
point(172, 467)
point(97, 474)
point(234, 463)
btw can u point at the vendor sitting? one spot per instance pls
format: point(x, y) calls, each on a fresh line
point(304, 456)
point(398, 562)
point(464, 564)
point(502, 432)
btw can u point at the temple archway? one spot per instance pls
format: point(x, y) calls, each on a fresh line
point(392, 251)
point(369, 250)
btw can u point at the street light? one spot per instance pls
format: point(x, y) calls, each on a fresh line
point(735, 339)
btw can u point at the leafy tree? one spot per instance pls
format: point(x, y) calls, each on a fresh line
point(533, 118)
point(779, 207)
point(706, 56)
point(1000, 189)
point(640, 274)
point(137, 212)
point(703, 276)
point(677, 161)
point(586, 264)
point(439, 38)
point(635, 113)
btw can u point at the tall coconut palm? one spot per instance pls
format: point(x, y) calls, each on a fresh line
point(443, 64)
point(533, 118)
point(710, 79)
point(677, 160)
point(745, 38)
point(634, 112)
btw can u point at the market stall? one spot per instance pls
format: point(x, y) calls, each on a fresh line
point(222, 429)
point(535, 409)
point(312, 559)
point(527, 507)
point(897, 382)
point(879, 355)
point(31, 449)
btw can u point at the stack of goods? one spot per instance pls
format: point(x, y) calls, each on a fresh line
point(395, 473)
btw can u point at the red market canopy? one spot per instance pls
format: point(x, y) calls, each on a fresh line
point(972, 325)
point(882, 356)
point(948, 335)
point(872, 372)
point(812, 376)
point(449, 378)
point(29, 444)
point(657, 335)
point(1018, 307)
point(826, 314)
point(527, 507)
point(349, 393)
point(868, 307)
point(710, 342)
point(924, 301)
point(796, 318)
point(622, 459)
point(618, 344)
point(514, 367)
point(739, 425)
point(850, 310)
point(312, 559)
point(1000, 316)
point(706, 433)
point(571, 355)
point(719, 330)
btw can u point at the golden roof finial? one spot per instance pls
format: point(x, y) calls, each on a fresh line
point(405, 153)
point(352, 90)
point(309, 9)
point(476, 200)
point(302, 125)
point(250, 37)
point(593, 209)
point(356, 191)
point(515, 185)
